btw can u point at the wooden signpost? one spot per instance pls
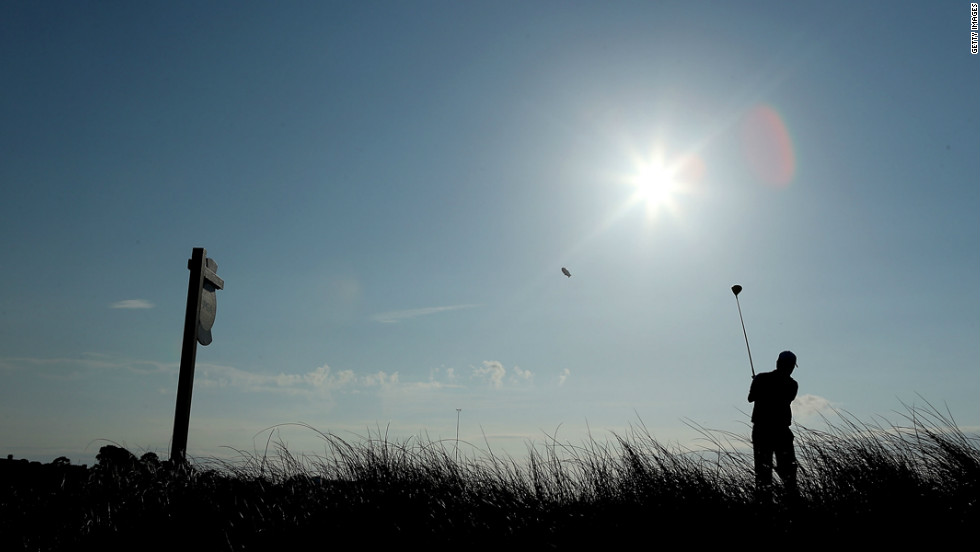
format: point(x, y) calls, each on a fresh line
point(198, 319)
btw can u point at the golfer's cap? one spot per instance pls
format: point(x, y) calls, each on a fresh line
point(787, 357)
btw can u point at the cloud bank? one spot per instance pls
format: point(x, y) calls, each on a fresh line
point(810, 405)
point(494, 373)
point(322, 379)
point(132, 304)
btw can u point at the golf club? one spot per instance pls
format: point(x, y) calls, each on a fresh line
point(736, 289)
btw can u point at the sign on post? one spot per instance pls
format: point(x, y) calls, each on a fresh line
point(198, 320)
point(209, 303)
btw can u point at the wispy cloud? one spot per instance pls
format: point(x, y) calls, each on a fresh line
point(132, 304)
point(392, 317)
point(82, 366)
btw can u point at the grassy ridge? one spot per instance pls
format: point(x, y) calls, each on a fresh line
point(901, 484)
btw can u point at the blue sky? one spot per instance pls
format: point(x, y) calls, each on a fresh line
point(390, 191)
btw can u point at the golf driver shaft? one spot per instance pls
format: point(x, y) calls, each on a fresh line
point(742, 320)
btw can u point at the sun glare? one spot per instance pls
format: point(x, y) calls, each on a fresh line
point(655, 186)
point(659, 183)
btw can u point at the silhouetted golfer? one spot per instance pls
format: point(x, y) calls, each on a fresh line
point(771, 416)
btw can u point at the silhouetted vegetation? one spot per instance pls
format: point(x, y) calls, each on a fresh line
point(915, 482)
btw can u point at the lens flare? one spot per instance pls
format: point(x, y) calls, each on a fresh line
point(767, 146)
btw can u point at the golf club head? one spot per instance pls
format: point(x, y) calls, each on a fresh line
point(736, 289)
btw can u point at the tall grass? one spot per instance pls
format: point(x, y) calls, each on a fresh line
point(872, 482)
point(855, 477)
point(919, 475)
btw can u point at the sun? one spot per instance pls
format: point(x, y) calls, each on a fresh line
point(655, 185)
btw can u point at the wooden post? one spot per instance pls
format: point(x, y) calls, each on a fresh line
point(203, 271)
